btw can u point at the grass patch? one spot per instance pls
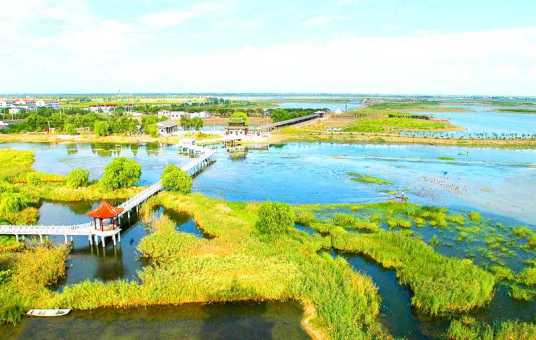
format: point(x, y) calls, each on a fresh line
point(357, 177)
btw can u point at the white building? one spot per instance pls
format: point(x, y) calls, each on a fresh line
point(202, 114)
point(172, 114)
point(167, 128)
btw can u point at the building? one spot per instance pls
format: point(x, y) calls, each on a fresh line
point(236, 128)
point(167, 128)
point(202, 114)
point(102, 108)
point(172, 114)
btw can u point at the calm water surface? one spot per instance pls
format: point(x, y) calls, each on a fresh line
point(484, 119)
point(219, 321)
point(499, 183)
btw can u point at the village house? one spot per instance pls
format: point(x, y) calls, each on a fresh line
point(172, 114)
point(167, 128)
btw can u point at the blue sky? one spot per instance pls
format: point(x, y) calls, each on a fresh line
point(360, 46)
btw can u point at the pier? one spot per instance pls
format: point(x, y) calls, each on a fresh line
point(203, 158)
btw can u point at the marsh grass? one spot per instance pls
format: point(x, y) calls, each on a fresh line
point(468, 328)
point(368, 179)
point(440, 284)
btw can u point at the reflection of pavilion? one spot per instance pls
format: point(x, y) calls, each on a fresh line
point(106, 222)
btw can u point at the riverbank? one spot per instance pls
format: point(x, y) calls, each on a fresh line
point(94, 139)
point(303, 135)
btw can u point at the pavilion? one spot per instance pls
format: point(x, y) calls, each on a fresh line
point(105, 217)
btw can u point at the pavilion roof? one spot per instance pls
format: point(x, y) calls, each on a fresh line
point(105, 210)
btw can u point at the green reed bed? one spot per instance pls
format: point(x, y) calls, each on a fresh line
point(236, 264)
point(440, 284)
point(469, 329)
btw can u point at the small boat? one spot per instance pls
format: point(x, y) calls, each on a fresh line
point(48, 312)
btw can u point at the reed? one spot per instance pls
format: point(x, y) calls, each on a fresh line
point(440, 284)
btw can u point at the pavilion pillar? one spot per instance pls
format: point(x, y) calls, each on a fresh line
point(65, 236)
point(17, 237)
point(119, 237)
point(102, 241)
point(41, 238)
point(90, 239)
point(113, 240)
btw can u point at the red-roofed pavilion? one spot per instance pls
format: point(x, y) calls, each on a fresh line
point(105, 211)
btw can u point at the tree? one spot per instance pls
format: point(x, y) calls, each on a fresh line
point(196, 123)
point(239, 117)
point(121, 172)
point(102, 128)
point(275, 219)
point(176, 179)
point(78, 177)
point(69, 129)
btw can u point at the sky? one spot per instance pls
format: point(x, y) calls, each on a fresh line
point(340, 46)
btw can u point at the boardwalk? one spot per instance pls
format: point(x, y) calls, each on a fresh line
point(269, 127)
point(204, 158)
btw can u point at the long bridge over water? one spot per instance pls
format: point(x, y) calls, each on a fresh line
point(203, 158)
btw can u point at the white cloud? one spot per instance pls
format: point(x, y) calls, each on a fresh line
point(319, 20)
point(171, 18)
point(90, 54)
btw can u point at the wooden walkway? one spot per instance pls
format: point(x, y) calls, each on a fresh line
point(205, 157)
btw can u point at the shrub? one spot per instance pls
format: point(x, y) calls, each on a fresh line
point(475, 216)
point(121, 173)
point(275, 218)
point(33, 179)
point(176, 179)
point(78, 177)
point(69, 129)
point(102, 128)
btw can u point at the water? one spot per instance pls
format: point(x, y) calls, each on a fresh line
point(87, 262)
point(219, 321)
point(482, 122)
point(184, 222)
point(330, 105)
point(499, 183)
point(396, 311)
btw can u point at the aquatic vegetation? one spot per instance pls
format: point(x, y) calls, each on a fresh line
point(468, 328)
point(275, 219)
point(440, 284)
point(15, 162)
point(120, 173)
point(305, 217)
point(502, 273)
point(444, 158)
point(236, 266)
point(475, 216)
point(176, 179)
point(528, 276)
point(32, 270)
point(9, 244)
point(522, 293)
point(76, 178)
point(357, 177)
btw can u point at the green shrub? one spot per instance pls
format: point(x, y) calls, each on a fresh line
point(304, 217)
point(102, 128)
point(475, 216)
point(121, 173)
point(468, 329)
point(275, 218)
point(33, 179)
point(176, 179)
point(78, 177)
point(69, 129)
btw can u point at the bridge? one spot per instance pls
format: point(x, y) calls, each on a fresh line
point(302, 119)
point(204, 158)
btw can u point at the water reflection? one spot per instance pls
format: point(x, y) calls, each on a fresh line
point(219, 321)
point(86, 262)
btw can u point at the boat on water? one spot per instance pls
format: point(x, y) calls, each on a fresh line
point(48, 312)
